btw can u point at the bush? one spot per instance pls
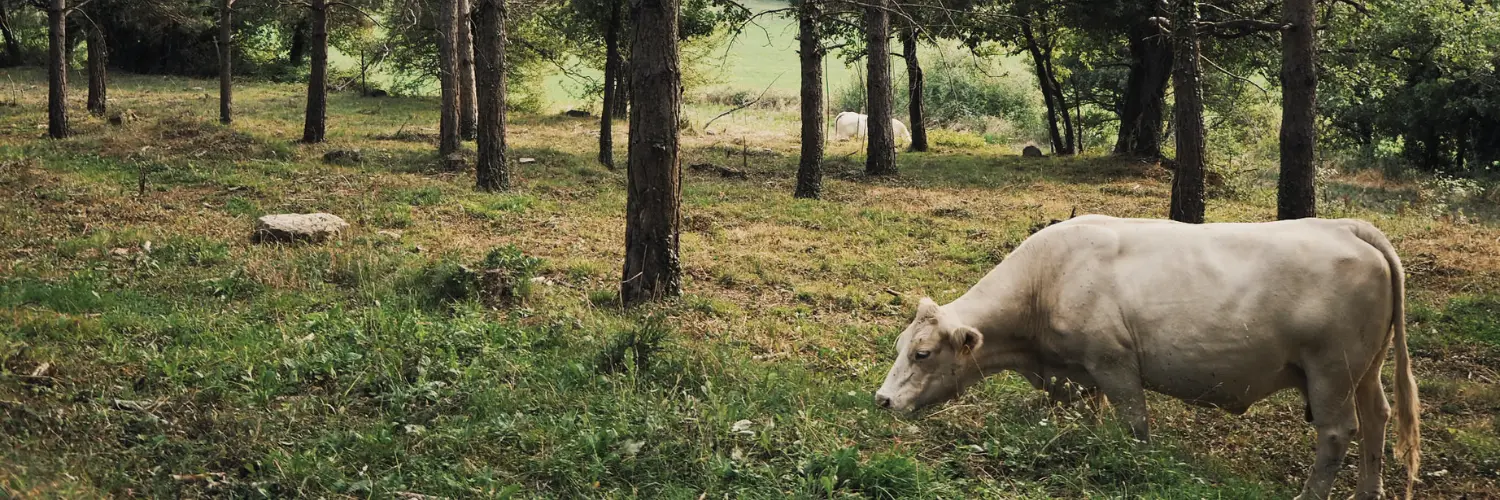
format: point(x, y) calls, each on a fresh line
point(502, 279)
point(963, 97)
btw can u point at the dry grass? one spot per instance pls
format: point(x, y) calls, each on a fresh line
point(790, 306)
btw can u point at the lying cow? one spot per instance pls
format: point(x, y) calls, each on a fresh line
point(1218, 315)
point(850, 125)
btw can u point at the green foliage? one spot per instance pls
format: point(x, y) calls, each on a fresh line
point(962, 96)
point(502, 278)
point(1419, 76)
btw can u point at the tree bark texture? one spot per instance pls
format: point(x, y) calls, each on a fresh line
point(1187, 179)
point(12, 45)
point(810, 53)
point(468, 110)
point(1295, 197)
point(226, 62)
point(492, 171)
point(653, 212)
point(316, 125)
point(448, 132)
point(57, 69)
point(98, 101)
point(611, 74)
point(1141, 113)
point(1050, 95)
point(915, 85)
point(880, 152)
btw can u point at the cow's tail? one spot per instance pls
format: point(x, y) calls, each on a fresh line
point(1408, 421)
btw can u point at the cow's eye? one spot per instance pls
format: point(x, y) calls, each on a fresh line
point(923, 354)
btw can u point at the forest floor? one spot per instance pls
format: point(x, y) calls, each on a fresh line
point(147, 348)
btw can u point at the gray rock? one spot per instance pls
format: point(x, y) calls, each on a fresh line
point(286, 228)
point(1031, 151)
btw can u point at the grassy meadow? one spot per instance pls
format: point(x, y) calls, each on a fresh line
point(148, 349)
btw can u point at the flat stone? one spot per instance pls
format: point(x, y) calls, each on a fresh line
point(285, 228)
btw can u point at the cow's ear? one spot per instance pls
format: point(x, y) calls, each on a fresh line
point(967, 339)
point(927, 310)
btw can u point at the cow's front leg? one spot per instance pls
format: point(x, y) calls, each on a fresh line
point(1121, 384)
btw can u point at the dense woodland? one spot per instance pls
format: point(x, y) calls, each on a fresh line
point(1187, 88)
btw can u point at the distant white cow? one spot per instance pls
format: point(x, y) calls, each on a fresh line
point(850, 125)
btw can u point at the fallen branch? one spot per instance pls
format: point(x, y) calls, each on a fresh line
point(747, 104)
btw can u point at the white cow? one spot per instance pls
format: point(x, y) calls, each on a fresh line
point(1219, 315)
point(850, 125)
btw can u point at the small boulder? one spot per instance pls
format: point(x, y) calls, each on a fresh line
point(455, 162)
point(344, 157)
point(577, 113)
point(122, 117)
point(377, 93)
point(1031, 151)
point(286, 228)
point(524, 161)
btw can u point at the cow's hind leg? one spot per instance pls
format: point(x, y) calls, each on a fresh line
point(1374, 413)
point(1332, 401)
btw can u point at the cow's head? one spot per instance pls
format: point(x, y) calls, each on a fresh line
point(934, 362)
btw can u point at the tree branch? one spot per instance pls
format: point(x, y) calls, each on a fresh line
point(745, 105)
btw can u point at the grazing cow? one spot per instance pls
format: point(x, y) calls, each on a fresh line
point(850, 125)
point(1217, 315)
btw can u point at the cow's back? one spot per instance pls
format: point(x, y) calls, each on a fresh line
point(1220, 313)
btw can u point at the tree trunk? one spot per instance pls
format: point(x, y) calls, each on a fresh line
point(810, 53)
point(316, 125)
point(653, 210)
point(98, 102)
point(611, 74)
point(1044, 80)
point(1187, 179)
point(622, 88)
point(1145, 92)
point(492, 171)
point(226, 62)
point(915, 86)
point(1295, 196)
point(1070, 144)
point(880, 152)
point(299, 43)
point(448, 132)
point(468, 111)
point(12, 45)
point(57, 69)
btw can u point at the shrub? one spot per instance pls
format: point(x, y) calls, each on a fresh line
point(962, 97)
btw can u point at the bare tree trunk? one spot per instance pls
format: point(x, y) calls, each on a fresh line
point(492, 171)
point(1295, 196)
point(810, 53)
point(915, 86)
point(880, 156)
point(468, 111)
point(622, 87)
point(1187, 179)
point(1145, 92)
point(316, 125)
point(448, 132)
point(12, 45)
point(653, 212)
point(611, 74)
point(299, 42)
point(226, 62)
point(98, 101)
point(57, 69)
point(1070, 143)
point(1044, 80)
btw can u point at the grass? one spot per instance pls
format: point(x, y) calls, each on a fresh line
point(209, 366)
